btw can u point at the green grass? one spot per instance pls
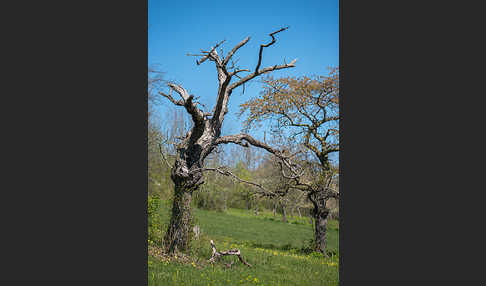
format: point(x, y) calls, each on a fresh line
point(271, 246)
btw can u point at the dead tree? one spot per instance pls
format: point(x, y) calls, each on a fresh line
point(205, 135)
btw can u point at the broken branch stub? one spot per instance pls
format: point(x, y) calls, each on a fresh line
point(217, 254)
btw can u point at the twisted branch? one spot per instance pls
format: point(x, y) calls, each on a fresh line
point(217, 254)
point(208, 54)
point(223, 171)
point(267, 45)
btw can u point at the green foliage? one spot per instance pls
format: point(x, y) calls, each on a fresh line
point(242, 172)
point(219, 193)
point(316, 254)
point(154, 220)
point(210, 197)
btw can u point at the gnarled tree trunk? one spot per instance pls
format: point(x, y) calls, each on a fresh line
point(320, 217)
point(319, 198)
point(187, 177)
point(205, 135)
point(178, 234)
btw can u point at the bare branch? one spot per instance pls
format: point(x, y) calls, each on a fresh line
point(195, 55)
point(231, 139)
point(238, 139)
point(259, 72)
point(180, 90)
point(191, 108)
point(332, 118)
point(224, 77)
point(328, 132)
point(208, 54)
point(313, 201)
point(196, 113)
point(169, 96)
point(237, 71)
point(217, 254)
point(285, 159)
point(308, 145)
point(232, 52)
point(332, 148)
point(224, 171)
point(267, 45)
point(163, 156)
point(296, 176)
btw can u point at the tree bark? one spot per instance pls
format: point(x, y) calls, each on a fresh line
point(187, 178)
point(284, 218)
point(217, 254)
point(320, 217)
point(178, 236)
point(204, 136)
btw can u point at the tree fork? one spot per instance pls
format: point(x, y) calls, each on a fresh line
point(201, 140)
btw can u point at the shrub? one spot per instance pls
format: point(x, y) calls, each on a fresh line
point(316, 254)
point(210, 198)
point(154, 220)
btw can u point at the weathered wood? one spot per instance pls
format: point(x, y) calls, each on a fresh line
point(204, 137)
point(197, 231)
point(177, 237)
point(218, 254)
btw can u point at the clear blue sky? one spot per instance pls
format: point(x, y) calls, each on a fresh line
point(180, 27)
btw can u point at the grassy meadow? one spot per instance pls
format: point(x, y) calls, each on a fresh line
point(277, 251)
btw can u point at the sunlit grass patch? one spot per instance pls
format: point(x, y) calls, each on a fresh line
point(272, 248)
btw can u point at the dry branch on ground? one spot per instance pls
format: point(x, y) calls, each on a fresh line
point(218, 254)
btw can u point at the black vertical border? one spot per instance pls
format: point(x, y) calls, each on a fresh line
point(342, 190)
point(405, 78)
point(76, 187)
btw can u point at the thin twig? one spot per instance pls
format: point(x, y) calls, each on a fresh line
point(163, 156)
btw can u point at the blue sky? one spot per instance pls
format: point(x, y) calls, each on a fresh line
point(180, 27)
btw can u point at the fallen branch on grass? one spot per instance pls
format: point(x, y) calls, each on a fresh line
point(217, 254)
